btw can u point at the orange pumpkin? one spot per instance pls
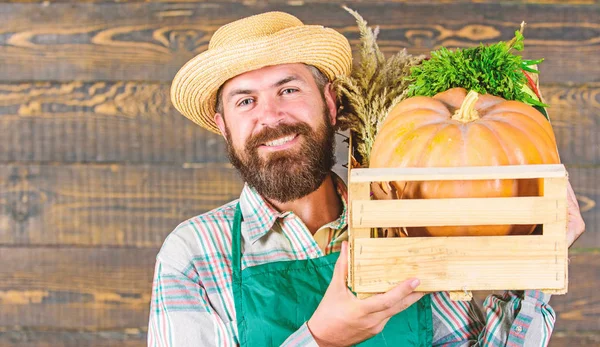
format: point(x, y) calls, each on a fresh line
point(453, 129)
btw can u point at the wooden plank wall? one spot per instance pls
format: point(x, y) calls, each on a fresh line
point(96, 167)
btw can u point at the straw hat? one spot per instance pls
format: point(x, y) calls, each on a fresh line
point(248, 44)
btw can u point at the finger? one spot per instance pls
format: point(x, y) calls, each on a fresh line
point(570, 238)
point(575, 223)
point(386, 301)
point(340, 272)
point(403, 304)
point(572, 195)
point(575, 227)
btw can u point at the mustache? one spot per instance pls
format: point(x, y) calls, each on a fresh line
point(270, 134)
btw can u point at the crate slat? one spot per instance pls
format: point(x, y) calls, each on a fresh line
point(362, 192)
point(458, 173)
point(557, 188)
point(460, 263)
point(455, 212)
point(359, 191)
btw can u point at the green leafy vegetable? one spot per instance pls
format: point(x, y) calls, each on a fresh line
point(492, 69)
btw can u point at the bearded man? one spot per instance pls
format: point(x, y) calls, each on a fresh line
point(270, 268)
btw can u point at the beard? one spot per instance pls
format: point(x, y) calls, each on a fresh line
point(289, 174)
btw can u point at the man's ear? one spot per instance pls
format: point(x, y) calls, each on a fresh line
point(220, 121)
point(331, 101)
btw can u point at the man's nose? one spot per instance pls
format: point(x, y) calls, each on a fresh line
point(271, 114)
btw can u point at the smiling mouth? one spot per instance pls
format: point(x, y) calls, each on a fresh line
point(280, 141)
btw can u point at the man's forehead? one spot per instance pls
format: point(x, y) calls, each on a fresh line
point(268, 75)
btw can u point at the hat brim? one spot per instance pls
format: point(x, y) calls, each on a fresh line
point(194, 88)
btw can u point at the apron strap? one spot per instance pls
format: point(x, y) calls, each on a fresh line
point(236, 252)
point(236, 260)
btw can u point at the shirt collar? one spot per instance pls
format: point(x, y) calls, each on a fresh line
point(260, 216)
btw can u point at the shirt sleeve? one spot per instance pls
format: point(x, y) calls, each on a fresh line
point(182, 316)
point(302, 337)
point(517, 318)
point(180, 313)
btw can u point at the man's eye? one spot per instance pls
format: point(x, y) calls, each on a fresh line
point(289, 90)
point(245, 102)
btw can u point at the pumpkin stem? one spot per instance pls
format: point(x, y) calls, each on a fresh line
point(467, 112)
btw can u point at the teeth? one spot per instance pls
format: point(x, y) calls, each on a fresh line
point(280, 141)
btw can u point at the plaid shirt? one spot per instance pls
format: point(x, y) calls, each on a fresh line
point(192, 300)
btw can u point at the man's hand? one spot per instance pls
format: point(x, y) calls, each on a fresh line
point(575, 223)
point(343, 320)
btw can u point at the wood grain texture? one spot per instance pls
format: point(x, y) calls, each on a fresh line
point(75, 288)
point(151, 41)
point(355, 191)
point(301, 2)
point(137, 206)
point(135, 122)
point(458, 173)
point(575, 115)
point(461, 263)
point(112, 205)
point(567, 339)
point(99, 122)
point(475, 211)
point(102, 122)
point(39, 337)
point(95, 290)
point(579, 310)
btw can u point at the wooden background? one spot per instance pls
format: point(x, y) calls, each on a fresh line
point(96, 167)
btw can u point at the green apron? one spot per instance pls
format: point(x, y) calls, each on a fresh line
point(274, 300)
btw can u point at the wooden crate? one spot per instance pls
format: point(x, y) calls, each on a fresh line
point(459, 264)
